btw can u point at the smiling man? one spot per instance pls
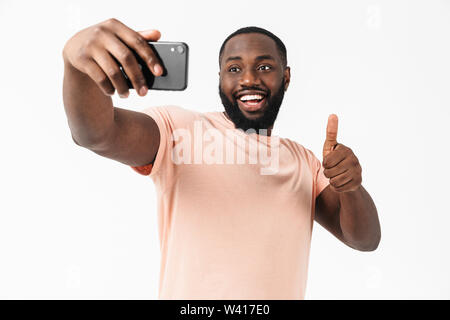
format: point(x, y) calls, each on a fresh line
point(252, 86)
point(228, 229)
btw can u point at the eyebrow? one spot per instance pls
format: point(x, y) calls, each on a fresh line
point(263, 57)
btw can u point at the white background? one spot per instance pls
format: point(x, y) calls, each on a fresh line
point(76, 225)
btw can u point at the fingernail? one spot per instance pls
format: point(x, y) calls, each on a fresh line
point(158, 69)
point(143, 91)
point(124, 95)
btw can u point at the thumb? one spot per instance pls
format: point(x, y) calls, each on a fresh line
point(150, 35)
point(330, 140)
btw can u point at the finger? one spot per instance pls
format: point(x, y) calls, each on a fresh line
point(332, 129)
point(139, 44)
point(331, 134)
point(340, 180)
point(127, 60)
point(110, 67)
point(150, 35)
point(351, 185)
point(95, 72)
point(334, 158)
point(153, 63)
point(348, 186)
point(336, 170)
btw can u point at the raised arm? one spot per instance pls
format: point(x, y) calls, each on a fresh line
point(91, 76)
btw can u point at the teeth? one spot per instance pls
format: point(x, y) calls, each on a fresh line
point(251, 97)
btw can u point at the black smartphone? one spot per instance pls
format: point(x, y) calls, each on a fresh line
point(174, 59)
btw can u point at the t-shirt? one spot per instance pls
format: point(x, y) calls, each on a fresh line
point(235, 209)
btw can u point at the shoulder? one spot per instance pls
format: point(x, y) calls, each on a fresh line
point(172, 116)
point(305, 154)
point(170, 110)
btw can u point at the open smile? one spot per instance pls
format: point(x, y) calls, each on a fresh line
point(251, 102)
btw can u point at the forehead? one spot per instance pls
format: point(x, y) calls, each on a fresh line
point(250, 44)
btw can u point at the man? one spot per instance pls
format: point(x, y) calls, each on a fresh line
point(234, 223)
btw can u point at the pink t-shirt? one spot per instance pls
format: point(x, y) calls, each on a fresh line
point(231, 227)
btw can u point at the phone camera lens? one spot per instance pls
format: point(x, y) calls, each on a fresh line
point(180, 49)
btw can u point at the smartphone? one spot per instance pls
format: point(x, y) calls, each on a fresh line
point(174, 59)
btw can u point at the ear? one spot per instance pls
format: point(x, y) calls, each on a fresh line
point(287, 77)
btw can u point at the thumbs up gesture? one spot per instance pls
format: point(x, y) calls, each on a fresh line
point(340, 163)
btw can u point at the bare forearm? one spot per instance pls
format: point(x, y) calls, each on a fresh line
point(359, 220)
point(89, 111)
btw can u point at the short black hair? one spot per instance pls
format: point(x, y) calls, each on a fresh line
point(280, 45)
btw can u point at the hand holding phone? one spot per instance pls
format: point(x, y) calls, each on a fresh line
point(108, 49)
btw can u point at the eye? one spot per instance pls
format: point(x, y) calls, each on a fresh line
point(233, 69)
point(265, 66)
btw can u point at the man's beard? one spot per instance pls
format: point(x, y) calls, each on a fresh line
point(263, 122)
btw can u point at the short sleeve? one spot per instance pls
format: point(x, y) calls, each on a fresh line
point(168, 119)
point(320, 180)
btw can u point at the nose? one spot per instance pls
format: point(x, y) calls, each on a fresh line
point(249, 78)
